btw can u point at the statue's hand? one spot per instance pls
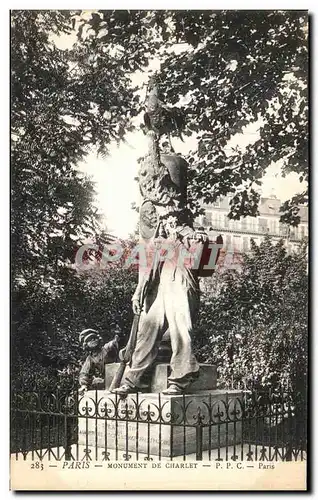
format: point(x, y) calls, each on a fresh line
point(97, 380)
point(82, 390)
point(136, 306)
point(201, 236)
point(122, 354)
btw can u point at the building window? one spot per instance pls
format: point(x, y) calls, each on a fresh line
point(253, 224)
point(272, 226)
point(208, 216)
point(224, 202)
point(283, 229)
point(226, 221)
point(236, 243)
point(228, 241)
point(216, 220)
point(244, 224)
point(262, 225)
point(245, 244)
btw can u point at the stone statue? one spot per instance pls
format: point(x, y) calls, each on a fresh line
point(160, 118)
point(167, 295)
point(93, 370)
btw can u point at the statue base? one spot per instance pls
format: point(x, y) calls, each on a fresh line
point(157, 379)
point(160, 425)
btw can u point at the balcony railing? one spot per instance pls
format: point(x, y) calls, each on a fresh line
point(254, 230)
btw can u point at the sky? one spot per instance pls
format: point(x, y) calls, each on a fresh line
point(116, 188)
point(114, 175)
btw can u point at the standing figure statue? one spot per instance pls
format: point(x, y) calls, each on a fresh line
point(167, 295)
point(174, 293)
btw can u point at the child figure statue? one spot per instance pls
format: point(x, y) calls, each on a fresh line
point(92, 373)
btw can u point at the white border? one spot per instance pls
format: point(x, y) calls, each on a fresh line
point(4, 185)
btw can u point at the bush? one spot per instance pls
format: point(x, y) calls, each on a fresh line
point(46, 322)
point(254, 324)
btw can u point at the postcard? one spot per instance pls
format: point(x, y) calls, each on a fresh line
point(159, 221)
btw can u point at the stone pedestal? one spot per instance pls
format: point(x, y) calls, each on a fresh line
point(206, 381)
point(157, 378)
point(160, 425)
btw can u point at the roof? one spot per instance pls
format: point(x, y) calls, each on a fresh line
point(269, 206)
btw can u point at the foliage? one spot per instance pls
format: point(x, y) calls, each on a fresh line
point(60, 107)
point(254, 324)
point(237, 68)
point(46, 324)
point(63, 104)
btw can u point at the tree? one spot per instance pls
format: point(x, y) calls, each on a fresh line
point(238, 68)
point(60, 109)
point(256, 320)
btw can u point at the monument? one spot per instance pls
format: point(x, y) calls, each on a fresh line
point(165, 305)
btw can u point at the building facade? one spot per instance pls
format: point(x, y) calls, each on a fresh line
point(237, 234)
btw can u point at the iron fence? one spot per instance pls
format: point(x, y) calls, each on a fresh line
point(222, 425)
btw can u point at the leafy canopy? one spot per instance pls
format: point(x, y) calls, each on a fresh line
point(237, 68)
point(63, 103)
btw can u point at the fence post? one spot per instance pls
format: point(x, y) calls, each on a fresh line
point(199, 436)
point(67, 431)
point(67, 438)
point(289, 446)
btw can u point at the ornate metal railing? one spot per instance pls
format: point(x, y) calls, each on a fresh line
point(101, 426)
point(252, 230)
